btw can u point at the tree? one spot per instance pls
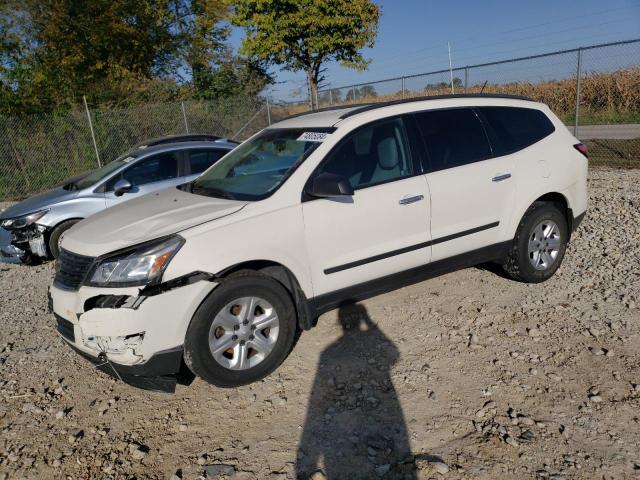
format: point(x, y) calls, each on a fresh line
point(368, 91)
point(303, 35)
point(68, 48)
point(200, 38)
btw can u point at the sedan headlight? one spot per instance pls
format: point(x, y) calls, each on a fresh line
point(23, 221)
point(141, 265)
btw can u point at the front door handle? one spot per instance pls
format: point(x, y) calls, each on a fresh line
point(411, 199)
point(501, 177)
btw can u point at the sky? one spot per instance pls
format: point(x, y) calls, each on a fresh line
point(413, 35)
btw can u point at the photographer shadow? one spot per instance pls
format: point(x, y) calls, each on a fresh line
point(354, 427)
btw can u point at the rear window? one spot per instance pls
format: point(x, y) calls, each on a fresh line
point(453, 137)
point(513, 128)
point(200, 160)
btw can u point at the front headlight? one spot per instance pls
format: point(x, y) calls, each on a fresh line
point(23, 221)
point(141, 265)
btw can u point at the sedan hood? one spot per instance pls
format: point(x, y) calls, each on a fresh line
point(41, 201)
point(146, 218)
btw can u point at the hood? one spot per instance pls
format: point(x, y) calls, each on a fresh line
point(38, 202)
point(145, 218)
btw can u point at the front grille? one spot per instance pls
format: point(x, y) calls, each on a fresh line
point(65, 327)
point(71, 270)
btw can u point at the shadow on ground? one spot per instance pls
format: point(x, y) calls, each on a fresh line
point(354, 426)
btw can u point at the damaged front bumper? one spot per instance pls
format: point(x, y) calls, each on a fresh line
point(132, 334)
point(20, 244)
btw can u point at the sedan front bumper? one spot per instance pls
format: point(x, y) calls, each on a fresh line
point(9, 253)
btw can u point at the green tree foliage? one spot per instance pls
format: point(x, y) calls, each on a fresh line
point(302, 35)
point(52, 52)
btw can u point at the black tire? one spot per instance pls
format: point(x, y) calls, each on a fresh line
point(197, 353)
point(57, 232)
point(518, 264)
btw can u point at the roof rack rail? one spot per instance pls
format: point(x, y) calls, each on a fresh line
point(373, 106)
point(187, 137)
point(324, 109)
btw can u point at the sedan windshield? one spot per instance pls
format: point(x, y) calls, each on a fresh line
point(96, 175)
point(257, 168)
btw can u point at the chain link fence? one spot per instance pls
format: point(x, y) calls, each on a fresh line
point(38, 152)
point(595, 90)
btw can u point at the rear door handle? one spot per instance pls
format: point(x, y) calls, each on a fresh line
point(501, 177)
point(411, 199)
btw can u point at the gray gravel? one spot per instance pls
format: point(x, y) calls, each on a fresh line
point(466, 375)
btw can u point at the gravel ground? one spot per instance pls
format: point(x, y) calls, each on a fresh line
point(469, 375)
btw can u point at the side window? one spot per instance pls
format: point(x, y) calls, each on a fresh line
point(515, 128)
point(200, 160)
point(453, 137)
point(156, 168)
point(372, 155)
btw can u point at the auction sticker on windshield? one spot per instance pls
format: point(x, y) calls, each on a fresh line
point(313, 137)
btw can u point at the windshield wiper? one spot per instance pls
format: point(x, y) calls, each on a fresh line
point(70, 187)
point(211, 192)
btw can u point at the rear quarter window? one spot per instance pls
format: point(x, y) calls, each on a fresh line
point(513, 128)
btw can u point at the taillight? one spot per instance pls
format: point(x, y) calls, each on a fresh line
point(582, 148)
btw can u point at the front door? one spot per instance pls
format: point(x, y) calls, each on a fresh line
point(146, 175)
point(384, 227)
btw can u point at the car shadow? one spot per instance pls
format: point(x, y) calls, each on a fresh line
point(354, 426)
point(494, 268)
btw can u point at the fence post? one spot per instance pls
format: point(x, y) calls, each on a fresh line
point(402, 87)
point(184, 115)
point(579, 74)
point(353, 92)
point(268, 111)
point(247, 124)
point(466, 78)
point(330, 97)
point(93, 136)
point(317, 103)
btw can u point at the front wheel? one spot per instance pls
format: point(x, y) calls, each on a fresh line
point(242, 332)
point(56, 234)
point(539, 245)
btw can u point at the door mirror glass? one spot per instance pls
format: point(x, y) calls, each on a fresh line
point(121, 187)
point(330, 185)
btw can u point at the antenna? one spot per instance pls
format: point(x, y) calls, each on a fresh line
point(450, 68)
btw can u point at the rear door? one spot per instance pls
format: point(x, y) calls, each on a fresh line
point(471, 191)
point(384, 227)
point(149, 174)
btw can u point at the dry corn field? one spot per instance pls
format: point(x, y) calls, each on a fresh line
point(605, 97)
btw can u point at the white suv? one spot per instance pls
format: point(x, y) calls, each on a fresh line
point(320, 209)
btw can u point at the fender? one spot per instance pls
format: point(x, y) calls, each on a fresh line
point(517, 215)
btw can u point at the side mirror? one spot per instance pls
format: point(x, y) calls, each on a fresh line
point(121, 187)
point(330, 185)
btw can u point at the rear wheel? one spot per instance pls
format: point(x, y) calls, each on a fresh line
point(54, 238)
point(540, 244)
point(242, 332)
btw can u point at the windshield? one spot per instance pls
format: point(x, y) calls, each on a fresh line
point(255, 169)
point(97, 175)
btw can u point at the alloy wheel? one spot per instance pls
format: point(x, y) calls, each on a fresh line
point(544, 245)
